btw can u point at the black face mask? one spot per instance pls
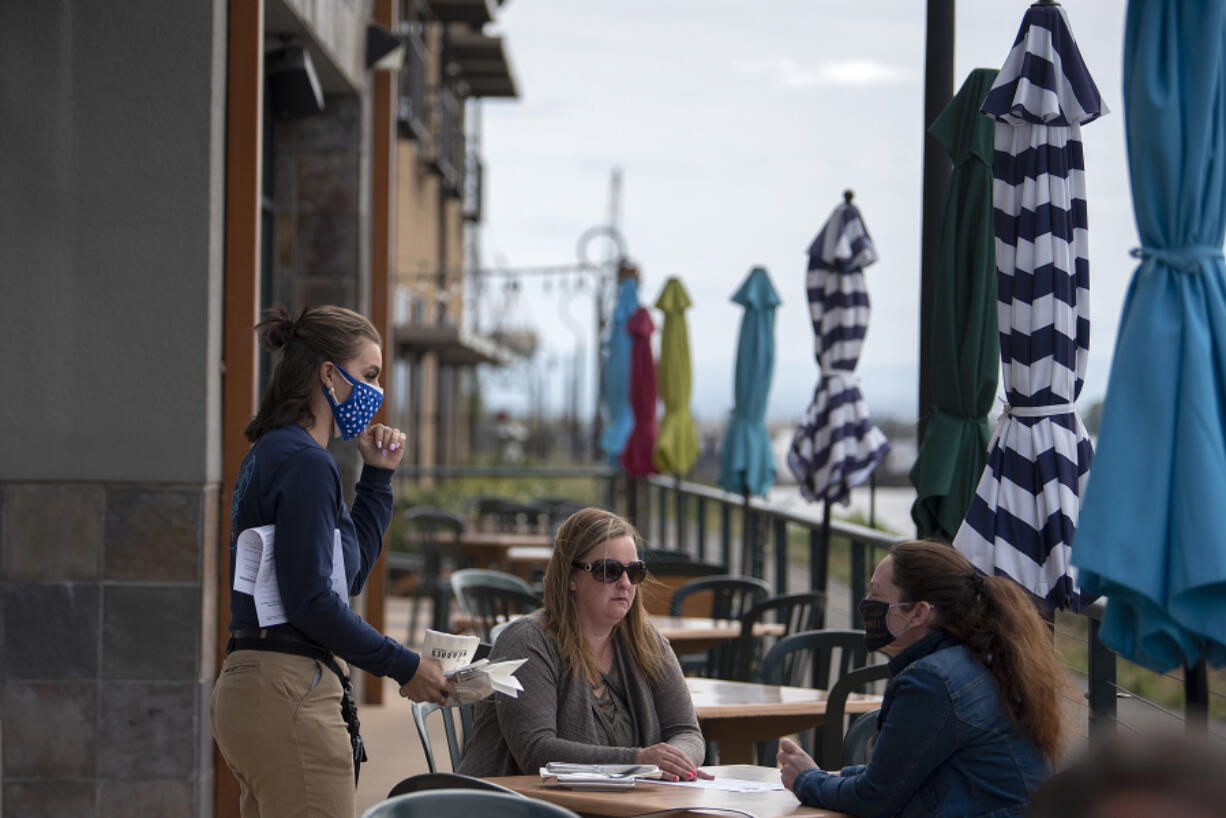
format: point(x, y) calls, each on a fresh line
point(876, 634)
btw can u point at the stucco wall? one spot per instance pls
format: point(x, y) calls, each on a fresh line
point(112, 149)
point(111, 215)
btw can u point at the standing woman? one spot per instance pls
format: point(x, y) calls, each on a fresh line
point(971, 721)
point(277, 706)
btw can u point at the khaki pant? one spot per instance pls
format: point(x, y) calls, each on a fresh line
point(277, 719)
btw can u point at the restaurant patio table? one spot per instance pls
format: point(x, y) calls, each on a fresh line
point(738, 714)
point(691, 634)
point(489, 548)
point(524, 560)
point(648, 797)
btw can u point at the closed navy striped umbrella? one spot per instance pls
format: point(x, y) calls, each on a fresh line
point(836, 446)
point(1021, 521)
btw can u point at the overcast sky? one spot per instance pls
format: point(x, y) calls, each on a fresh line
point(737, 124)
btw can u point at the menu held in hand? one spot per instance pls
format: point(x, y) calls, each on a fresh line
point(473, 681)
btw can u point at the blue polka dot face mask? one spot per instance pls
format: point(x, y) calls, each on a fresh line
point(354, 413)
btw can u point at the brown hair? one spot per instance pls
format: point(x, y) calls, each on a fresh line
point(318, 334)
point(579, 534)
point(999, 624)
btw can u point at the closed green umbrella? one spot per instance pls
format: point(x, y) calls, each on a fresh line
point(965, 348)
point(677, 445)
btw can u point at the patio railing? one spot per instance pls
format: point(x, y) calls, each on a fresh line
point(796, 551)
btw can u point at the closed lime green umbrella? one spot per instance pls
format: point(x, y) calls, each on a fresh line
point(965, 348)
point(677, 446)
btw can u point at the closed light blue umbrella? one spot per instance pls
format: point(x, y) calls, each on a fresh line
point(1154, 521)
point(615, 386)
point(1021, 520)
point(746, 462)
point(836, 446)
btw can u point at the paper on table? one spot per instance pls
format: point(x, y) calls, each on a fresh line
point(725, 784)
point(473, 681)
point(255, 572)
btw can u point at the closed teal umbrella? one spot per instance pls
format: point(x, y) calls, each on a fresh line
point(746, 462)
point(615, 384)
point(1153, 524)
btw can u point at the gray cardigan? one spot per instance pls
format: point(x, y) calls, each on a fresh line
point(556, 717)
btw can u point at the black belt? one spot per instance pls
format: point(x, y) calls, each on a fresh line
point(283, 642)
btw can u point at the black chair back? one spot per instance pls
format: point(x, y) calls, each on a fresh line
point(860, 739)
point(493, 513)
point(492, 597)
point(730, 598)
point(816, 659)
point(445, 781)
point(835, 746)
point(465, 803)
point(434, 534)
point(804, 611)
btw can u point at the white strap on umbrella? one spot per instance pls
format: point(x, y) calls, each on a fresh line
point(1027, 412)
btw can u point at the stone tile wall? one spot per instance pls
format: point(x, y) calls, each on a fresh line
point(107, 652)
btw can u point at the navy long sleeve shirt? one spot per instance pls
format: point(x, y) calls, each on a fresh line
point(289, 480)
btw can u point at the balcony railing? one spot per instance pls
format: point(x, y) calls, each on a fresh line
point(449, 153)
point(474, 169)
point(414, 114)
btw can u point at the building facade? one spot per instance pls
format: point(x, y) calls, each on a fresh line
point(167, 174)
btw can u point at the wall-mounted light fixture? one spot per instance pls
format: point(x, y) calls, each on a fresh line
point(384, 50)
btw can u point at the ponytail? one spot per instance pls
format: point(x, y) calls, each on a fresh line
point(999, 624)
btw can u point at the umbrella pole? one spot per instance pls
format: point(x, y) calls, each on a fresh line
point(1196, 698)
point(826, 540)
point(872, 499)
point(747, 560)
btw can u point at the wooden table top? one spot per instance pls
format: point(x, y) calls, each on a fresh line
point(504, 539)
point(718, 698)
point(697, 627)
point(480, 538)
point(648, 797)
point(736, 715)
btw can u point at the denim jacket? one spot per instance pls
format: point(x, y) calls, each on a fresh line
point(946, 745)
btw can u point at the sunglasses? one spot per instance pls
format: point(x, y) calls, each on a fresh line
point(612, 570)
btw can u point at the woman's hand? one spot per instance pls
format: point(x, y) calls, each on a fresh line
point(428, 683)
point(674, 764)
point(381, 446)
point(792, 761)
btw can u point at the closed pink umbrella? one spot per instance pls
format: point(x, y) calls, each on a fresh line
point(636, 456)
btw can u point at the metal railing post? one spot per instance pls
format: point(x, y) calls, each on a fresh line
point(702, 528)
point(781, 556)
point(1101, 687)
point(819, 556)
point(1196, 698)
point(679, 496)
point(662, 516)
point(611, 492)
point(858, 580)
point(644, 487)
point(755, 542)
point(725, 526)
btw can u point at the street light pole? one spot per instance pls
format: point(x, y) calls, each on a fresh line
point(605, 274)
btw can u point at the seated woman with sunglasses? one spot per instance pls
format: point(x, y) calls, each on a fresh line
point(600, 685)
